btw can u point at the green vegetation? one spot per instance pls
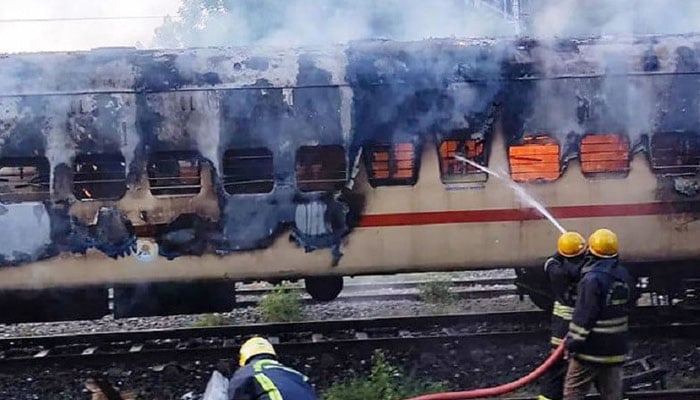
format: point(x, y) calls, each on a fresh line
point(385, 382)
point(281, 305)
point(437, 293)
point(208, 320)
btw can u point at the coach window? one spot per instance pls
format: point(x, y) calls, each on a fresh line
point(321, 168)
point(605, 154)
point(99, 176)
point(535, 159)
point(676, 153)
point(248, 171)
point(24, 179)
point(174, 173)
point(392, 164)
point(453, 170)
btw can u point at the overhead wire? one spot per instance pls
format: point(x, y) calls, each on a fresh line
point(74, 19)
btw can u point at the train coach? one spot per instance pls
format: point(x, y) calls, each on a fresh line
point(166, 176)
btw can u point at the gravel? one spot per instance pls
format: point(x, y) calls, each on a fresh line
point(324, 311)
point(461, 366)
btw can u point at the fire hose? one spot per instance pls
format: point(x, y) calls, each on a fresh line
point(502, 389)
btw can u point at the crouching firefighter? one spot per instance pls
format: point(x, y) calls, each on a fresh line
point(262, 377)
point(563, 271)
point(597, 339)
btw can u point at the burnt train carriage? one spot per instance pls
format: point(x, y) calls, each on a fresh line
point(169, 174)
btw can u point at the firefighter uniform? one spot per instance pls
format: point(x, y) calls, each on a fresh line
point(597, 339)
point(262, 377)
point(563, 271)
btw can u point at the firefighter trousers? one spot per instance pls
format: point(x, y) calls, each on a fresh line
point(580, 375)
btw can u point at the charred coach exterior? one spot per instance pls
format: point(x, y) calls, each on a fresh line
point(170, 174)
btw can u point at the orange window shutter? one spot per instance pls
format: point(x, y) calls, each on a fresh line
point(535, 160)
point(604, 153)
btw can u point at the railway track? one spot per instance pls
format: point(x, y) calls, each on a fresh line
point(382, 291)
point(310, 337)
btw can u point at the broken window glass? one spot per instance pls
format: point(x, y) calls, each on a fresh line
point(676, 153)
point(174, 173)
point(392, 164)
point(99, 176)
point(24, 179)
point(607, 154)
point(535, 159)
point(248, 171)
point(321, 168)
point(453, 170)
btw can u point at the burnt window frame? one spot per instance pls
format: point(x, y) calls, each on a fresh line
point(480, 176)
point(675, 169)
point(392, 149)
point(43, 167)
point(523, 143)
point(326, 183)
point(112, 158)
point(175, 190)
point(606, 174)
point(261, 184)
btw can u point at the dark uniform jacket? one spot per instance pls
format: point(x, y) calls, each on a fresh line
point(563, 274)
point(264, 378)
point(598, 330)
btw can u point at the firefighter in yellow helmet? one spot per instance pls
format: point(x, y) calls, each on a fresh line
point(563, 270)
point(597, 341)
point(262, 377)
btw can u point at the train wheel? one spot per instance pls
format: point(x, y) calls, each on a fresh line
point(324, 288)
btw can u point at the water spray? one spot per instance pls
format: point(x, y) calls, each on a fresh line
point(519, 190)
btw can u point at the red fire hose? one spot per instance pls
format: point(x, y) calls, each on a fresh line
point(498, 390)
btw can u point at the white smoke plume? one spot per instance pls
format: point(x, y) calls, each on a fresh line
point(319, 22)
point(567, 18)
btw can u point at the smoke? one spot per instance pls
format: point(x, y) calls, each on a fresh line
point(579, 18)
point(319, 22)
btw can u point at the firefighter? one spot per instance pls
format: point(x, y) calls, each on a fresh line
point(262, 377)
point(563, 270)
point(597, 342)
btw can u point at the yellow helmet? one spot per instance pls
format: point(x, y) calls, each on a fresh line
point(603, 243)
point(571, 244)
point(253, 347)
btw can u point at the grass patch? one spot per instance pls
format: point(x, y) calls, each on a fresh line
point(281, 305)
point(208, 320)
point(385, 382)
point(437, 293)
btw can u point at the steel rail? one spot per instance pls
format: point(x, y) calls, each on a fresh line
point(302, 337)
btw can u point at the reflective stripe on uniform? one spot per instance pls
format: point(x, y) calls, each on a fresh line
point(611, 322)
point(543, 397)
point(562, 311)
point(576, 336)
point(612, 329)
point(601, 359)
point(268, 386)
point(265, 364)
point(556, 341)
point(614, 325)
point(578, 329)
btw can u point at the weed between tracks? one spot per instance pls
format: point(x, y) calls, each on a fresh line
point(437, 293)
point(385, 382)
point(281, 305)
point(209, 320)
